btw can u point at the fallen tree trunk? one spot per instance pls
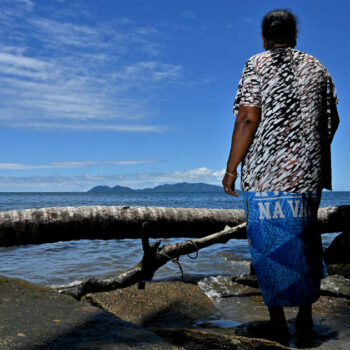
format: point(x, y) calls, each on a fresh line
point(45, 225)
point(153, 258)
point(34, 226)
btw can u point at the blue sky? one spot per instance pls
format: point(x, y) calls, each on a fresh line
point(139, 93)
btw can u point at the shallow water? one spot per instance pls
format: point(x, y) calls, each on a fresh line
point(239, 306)
point(65, 263)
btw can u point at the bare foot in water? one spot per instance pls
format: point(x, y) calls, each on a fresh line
point(269, 329)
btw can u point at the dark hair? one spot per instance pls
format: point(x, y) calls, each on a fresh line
point(279, 27)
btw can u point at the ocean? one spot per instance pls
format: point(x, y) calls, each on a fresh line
point(65, 263)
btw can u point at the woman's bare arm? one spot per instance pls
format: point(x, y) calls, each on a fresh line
point(247, 121)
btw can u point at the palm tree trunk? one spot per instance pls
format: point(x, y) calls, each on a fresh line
point(35, 226)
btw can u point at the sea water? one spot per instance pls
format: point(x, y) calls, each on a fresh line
point(69, 262)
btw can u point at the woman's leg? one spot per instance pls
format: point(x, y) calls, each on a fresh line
point(277, 317)
point(304, 317)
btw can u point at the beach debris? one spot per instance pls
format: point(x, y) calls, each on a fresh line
point(47, 225)
point(154, 257)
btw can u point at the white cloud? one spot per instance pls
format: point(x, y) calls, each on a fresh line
point(66, 33)
point(199, 174)
point(85, 182)
point(23, 73)
point(85, 127)
point(72, 164)
point(149, 71)
point(25, 4)
point(78, 71)
point(28, 3)
point(22, 61)
point(17, 8)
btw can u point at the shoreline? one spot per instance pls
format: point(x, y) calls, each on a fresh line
point(102, 316)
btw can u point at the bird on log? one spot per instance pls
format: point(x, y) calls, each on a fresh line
point(47, 225)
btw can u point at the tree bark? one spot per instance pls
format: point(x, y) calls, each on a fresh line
point(153, 258)
point(45, 225)
point(35, 226)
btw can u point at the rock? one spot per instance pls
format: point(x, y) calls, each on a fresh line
point(338, 251)
point(339, 269)
point(199, 340)
point(159, 304)
point(36, 317)
point(336, 286)
point(246, 280)
point(327, 306)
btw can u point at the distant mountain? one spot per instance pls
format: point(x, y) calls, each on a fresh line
point(178, 188)
point(115, 189)
point(99, 189)
point(122, 189)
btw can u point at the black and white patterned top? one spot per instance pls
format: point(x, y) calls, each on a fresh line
point(291, 148)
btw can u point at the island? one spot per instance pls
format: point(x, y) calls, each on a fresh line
point(183, 187)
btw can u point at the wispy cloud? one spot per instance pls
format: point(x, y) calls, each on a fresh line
point(188, 14)
point(70, 34)
point(148, 71)
point(250, 20)
point(27, 3)
point(22, 61)
point(78, 71)
point(85, 182)
point(86, 127)
point(18, 5)
point(70, 165)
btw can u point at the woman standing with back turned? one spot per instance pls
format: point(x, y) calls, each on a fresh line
point(286, 119)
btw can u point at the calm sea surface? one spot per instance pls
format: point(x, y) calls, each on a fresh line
point(68, 262)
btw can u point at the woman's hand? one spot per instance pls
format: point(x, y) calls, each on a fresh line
point(229, 183)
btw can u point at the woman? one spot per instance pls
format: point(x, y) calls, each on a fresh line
point(286, 119)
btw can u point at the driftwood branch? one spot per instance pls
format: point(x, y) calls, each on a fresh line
point(45, 225)
point(153, 258)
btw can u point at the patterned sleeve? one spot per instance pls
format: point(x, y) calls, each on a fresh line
point(331, 92)
point(331, 110)
point(248, 92)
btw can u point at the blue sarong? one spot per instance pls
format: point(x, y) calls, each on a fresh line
point(285, 246)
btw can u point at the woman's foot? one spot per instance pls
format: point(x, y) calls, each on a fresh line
point(304, 325)
point(269, 329)
point(277, 326)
